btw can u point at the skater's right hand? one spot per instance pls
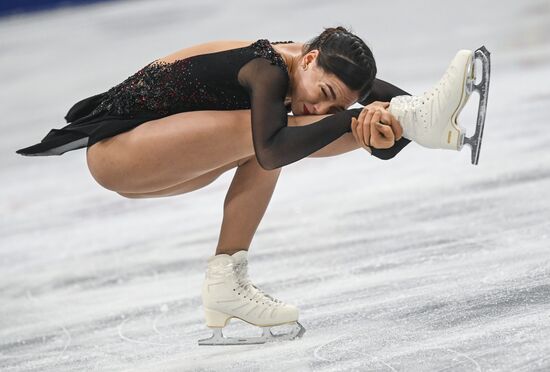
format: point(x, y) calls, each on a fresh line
point(376, 127)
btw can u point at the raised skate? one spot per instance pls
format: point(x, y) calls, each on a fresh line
point(431, 119)
point(228, 293)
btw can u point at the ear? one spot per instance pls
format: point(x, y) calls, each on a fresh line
point(309, 57)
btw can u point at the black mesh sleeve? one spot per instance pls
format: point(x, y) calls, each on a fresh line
point(275, 143)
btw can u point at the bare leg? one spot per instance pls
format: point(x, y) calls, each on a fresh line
point(162, 153)
point(245, 205)
point(250, 191)
point(187, 186)
point(247, 197)
point(157, 157)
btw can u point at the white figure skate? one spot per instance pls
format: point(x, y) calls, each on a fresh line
point(228, 293)
point(431, 119)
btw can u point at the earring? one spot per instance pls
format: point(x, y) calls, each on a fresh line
point(304, 67)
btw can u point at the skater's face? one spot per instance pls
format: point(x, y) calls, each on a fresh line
point(315, 91)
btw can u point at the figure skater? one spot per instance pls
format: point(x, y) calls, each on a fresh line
point(183, 120)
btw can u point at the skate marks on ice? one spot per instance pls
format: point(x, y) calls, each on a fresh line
point(47, 341)
point(419, 263)
point(54, 340)
point(476, 285)
point(342, 357)
point(406, 345)
point(407, 335)
point(436, 279)
point(340, 351)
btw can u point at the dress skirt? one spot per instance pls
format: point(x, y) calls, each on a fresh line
point(86, 128)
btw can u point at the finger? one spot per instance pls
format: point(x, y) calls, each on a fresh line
point(390, 120)
point(385, 117)
point(375, 137)
point(359, 131)
point(381, 135)
point(367, 137)
point(362, 115)
point(354, 128)
point(385, 130)
point(381, 104)
point(397, 128)
point(368, 117)
point(354, 125)
point(386, 138)
point(375, 119)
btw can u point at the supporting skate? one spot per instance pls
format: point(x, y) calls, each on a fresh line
point(218, 338)
point(228, 293)
point(431, 119)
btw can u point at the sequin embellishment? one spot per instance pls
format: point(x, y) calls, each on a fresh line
point(264, 49)
point(166, 88)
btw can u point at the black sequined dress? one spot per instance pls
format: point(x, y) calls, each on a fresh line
point(252, 77)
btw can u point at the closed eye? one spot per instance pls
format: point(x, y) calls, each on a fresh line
point(325, 93)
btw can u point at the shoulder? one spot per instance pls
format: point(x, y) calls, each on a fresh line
point(263, 48)
point(210, 47)
point(262, 73)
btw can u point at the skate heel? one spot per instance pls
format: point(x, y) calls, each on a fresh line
point(215, 318)
point(454, 136)
point(462, 138)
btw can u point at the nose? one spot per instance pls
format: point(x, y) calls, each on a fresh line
point(321, 108)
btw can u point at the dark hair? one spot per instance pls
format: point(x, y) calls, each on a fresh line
point(347, 56)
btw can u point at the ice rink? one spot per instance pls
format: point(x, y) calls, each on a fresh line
point(420, 263)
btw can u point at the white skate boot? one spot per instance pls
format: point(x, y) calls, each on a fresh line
point(431, 119)
point(228, 293)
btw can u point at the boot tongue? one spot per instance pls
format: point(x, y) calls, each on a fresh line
point(219, 266)
point(219, 259)
point(240, 261)
point(239, 256)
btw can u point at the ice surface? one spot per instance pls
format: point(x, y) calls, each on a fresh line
point(420, 263)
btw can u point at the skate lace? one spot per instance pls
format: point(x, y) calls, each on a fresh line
point(418, 106)
point(244, 283)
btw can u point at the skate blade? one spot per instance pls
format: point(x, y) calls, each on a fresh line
point(218, 338)
point(483, 89)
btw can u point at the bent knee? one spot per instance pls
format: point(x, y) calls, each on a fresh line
point(243, 161)
point(99, 169)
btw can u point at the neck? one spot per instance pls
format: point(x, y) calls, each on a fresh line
point(291, 54)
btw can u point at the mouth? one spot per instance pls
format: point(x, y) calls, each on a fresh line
point(306, 111)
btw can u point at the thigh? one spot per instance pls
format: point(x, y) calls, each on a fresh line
point(169, 151)
point(187, 186)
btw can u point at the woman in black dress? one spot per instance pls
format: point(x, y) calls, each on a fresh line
point(183, 120)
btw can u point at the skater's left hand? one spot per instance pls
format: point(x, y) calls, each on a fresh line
point(376, 127)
